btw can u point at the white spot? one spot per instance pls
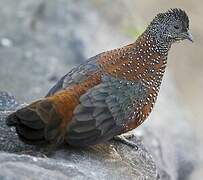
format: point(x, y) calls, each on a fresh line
point(5, 42)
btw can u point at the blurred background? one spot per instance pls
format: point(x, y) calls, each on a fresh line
point(41, 40)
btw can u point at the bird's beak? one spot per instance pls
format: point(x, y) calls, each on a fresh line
point(187, 35)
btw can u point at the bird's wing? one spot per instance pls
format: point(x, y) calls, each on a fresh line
point(76, 75)
point(103, 111)
point(107, 62)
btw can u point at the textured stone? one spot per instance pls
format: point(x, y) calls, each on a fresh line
point(7, 101)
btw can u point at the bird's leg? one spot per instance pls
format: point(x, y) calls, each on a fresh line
point(124, 139)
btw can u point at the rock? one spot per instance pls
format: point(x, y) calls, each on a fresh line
point(7, 102)
point(78, 164)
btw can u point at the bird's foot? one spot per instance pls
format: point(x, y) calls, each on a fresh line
point(124, 139)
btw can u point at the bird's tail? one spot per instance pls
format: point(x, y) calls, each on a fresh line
point(41, 121)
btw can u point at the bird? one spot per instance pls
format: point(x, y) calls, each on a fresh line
point(109, 94)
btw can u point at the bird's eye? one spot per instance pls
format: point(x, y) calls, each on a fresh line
point(176, 27)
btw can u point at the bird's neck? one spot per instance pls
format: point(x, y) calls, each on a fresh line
point(162, 46)
point(162, 43)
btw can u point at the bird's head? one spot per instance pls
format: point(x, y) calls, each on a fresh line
point(170, 27)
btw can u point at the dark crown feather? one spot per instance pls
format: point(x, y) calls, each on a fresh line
point(177, 13)
point(180, 14)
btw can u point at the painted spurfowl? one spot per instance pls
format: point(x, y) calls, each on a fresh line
point(110, 94)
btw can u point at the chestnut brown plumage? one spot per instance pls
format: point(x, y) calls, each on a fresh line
point(110, 94)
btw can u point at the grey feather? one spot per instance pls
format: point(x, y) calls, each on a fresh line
point(84, 116)
point(103, 110)
point(98, 110)
point(76, 75)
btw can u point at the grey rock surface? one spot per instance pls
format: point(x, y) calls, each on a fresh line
point(7, 102)
point(40, 41)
